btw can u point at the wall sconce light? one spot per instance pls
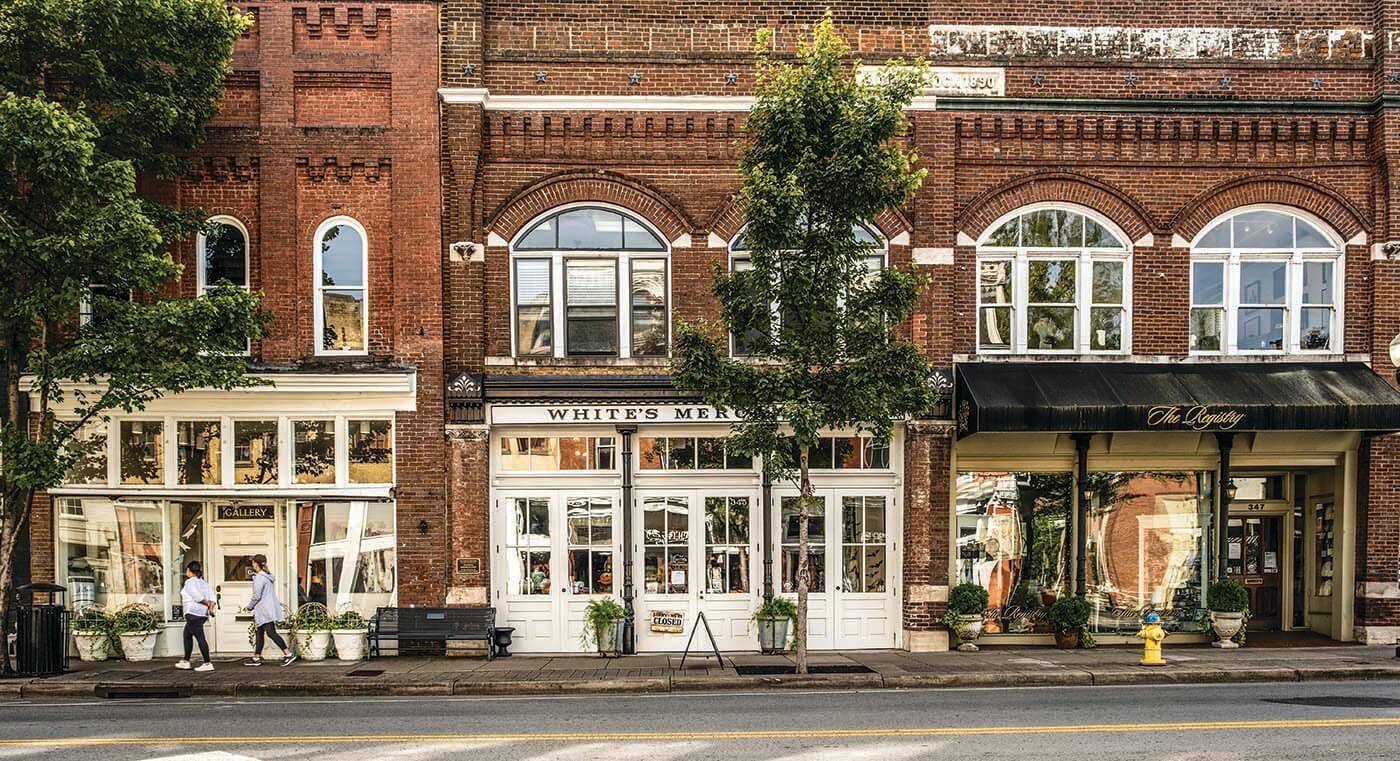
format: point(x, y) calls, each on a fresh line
point(1231, 490)
point(423, 526)
point(1395, 356)
point(1087, 493)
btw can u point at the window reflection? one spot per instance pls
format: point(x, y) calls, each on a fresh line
point(346, 556)
point(111, 554)
point(142, 452)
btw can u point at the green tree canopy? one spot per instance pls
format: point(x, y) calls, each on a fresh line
point(93, 94)
point(824, 155)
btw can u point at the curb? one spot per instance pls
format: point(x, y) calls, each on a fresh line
point(683, 683)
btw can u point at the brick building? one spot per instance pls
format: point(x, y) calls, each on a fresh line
point(1162, 292)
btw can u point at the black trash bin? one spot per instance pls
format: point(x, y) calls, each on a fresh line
point(41, 645)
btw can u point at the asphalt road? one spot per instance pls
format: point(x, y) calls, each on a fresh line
point(1333, 721)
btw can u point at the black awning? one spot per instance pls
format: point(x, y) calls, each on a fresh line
point(1206, 396)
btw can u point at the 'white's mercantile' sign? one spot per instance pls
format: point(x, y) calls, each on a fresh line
point(607, 414)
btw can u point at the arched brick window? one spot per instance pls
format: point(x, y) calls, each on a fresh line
point(1266, 280)
point(1053, 279)
point(590, 280)
point(342, 306)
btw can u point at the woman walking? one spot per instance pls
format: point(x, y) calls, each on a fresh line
point(267, 611)
point(198, 601)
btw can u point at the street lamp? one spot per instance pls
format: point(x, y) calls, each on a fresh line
point(1231, 490)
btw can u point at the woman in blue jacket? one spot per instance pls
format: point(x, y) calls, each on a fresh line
point(267, 611)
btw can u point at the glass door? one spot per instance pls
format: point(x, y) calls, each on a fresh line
point(590, 549)
point(820, 602)
point(528, 567)
point(730, 591)
point(1255, 559)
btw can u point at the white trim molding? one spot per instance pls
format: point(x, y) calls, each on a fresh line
point(480, 96)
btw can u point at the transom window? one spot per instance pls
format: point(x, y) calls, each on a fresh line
point(590, 281)
point(342, 312)
point(552, 453)
point(740, 261)
point(1266, 281)
point(1053, 279)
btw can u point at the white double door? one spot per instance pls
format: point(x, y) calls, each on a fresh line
point(853, 598)
point(557, 549)
point(697, 551)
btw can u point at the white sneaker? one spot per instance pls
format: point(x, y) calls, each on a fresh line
point(183, 665)
point(206, 666)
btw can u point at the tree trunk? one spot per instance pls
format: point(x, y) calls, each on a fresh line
point(13, 523)
point(804, 569)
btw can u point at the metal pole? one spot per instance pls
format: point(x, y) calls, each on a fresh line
point(1225, 441)
point(629, 624)
point(1081, 512)
point(767, 540)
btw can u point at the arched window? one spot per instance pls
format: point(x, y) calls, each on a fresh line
point(342, 310)
point(1053, 279)
point(739, 261)
point(595, 276)
point(1266, 280)
point(223, 253)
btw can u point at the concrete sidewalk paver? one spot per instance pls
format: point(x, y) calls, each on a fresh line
point(556, 674)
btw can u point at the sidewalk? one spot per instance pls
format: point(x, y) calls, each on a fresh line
point(520, 674)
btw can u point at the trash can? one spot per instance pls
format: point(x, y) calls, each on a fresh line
point(41, 645)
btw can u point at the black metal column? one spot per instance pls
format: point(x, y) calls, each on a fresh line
point(766, 539)
point(1081, 511)
point(629, 625)
point(1222, 513)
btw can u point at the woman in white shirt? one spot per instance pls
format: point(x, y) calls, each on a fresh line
point(198, 601)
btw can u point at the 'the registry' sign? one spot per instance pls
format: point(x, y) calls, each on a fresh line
point(594, 414)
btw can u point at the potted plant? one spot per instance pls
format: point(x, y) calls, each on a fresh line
point(92, 633)
point(1229, 612)
point(136, 626)
point(1069, 619)
point(311, 629)
point(601, 620)
point(964, 617)
point(349, 635)
point(773, 618)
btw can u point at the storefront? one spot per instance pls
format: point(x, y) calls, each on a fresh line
point(640, 499)
point(1137, 485)
point(301, 471)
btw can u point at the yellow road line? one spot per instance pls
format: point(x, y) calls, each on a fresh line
point(755, 734)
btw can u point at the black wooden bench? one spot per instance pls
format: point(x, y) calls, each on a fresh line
point(434, 625)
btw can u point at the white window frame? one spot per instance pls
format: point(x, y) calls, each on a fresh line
point(319, 323)
point(1084, 258)
point(1293, 305)
point(736, 256)
point(558, 295)
point(203, 276)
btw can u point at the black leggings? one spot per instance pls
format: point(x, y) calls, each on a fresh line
point(194, 632)
point(268, 630)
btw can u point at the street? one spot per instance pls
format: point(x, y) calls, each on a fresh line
point(1336, 721)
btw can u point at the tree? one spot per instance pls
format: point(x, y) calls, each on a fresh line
point(823, 157)
point(95, 94)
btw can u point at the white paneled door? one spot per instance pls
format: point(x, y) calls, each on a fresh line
point(556, 549)
point(697, 551)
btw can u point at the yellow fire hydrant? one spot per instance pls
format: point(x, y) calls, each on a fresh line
point(1152, 635)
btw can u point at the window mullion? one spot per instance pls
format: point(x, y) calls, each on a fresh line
point(623, 281)
point(1084, 302)
point(1232, 278)
point(1020, 310)
point(1292, 307)
point(557, 296)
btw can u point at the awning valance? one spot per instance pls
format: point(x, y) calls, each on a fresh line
point(1206, 396)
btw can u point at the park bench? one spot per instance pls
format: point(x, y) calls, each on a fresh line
point(434, 625)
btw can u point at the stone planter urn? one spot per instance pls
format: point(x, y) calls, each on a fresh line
point(1226, 626)
point(349, 644)
point(92, 646)
point(138, 646)
point(313, 645)
point(969, 629)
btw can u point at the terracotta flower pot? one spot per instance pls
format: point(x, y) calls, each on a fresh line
point(1067, 639)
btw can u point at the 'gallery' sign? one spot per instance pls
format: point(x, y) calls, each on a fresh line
point(1200, 417)
point(245, 512)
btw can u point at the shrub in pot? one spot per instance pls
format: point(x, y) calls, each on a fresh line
point(773, 618)
point(966, 602)
point(1229, 612)
point(349, 635)
point(92, 633)
point(601, 623)
point(1069, 619)
point(136, 627)
point(311, 630)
